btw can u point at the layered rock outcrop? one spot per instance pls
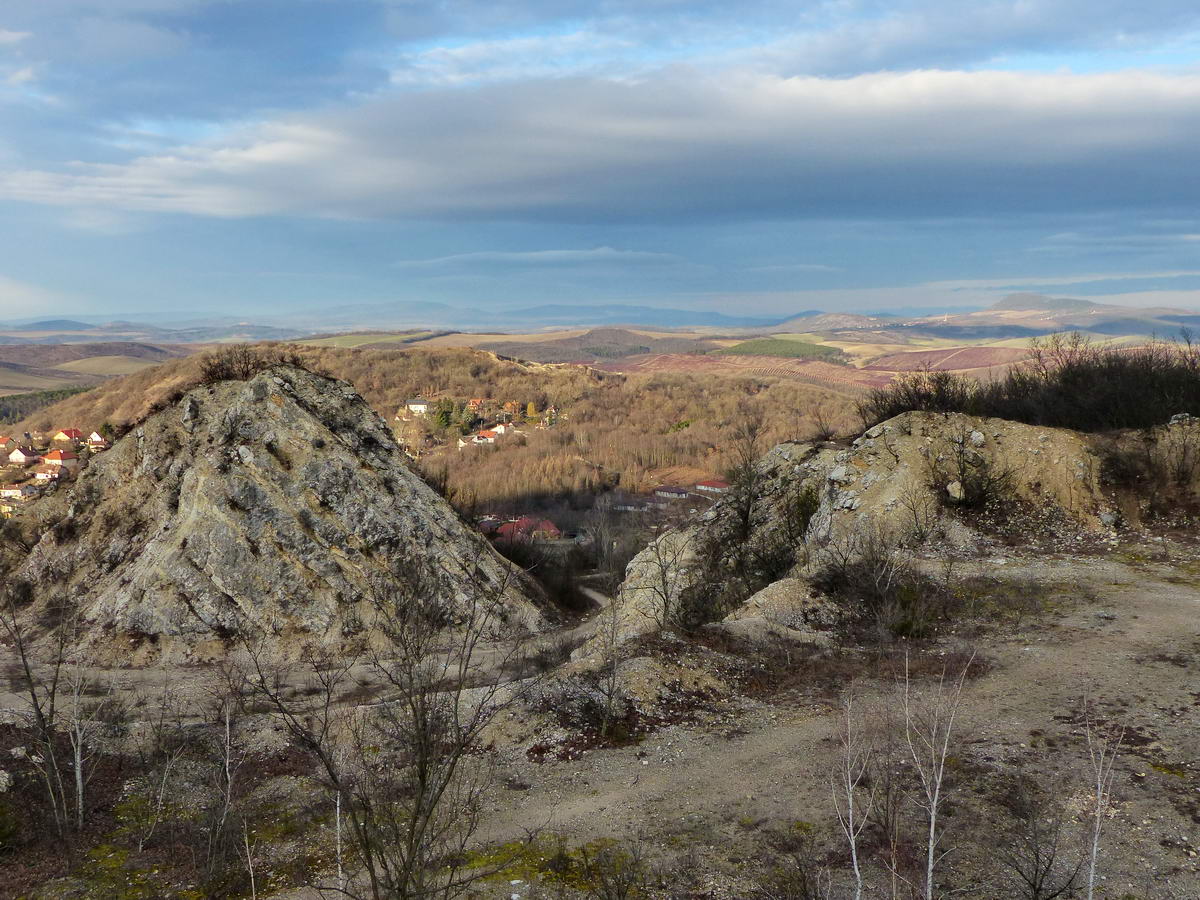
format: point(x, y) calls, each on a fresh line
point(279, 504)
point(900, 478)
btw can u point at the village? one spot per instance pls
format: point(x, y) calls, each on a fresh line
point(422, 424)
point(39, 460)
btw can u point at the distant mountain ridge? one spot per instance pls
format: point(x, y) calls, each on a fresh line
point(1040, 301)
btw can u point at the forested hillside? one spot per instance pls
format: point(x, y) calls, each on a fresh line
point(613, 430)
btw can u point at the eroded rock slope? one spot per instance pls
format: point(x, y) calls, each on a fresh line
point(900, 479)
point(279, 503)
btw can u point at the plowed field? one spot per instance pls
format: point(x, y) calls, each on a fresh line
point(952, 359)
point(762, 366)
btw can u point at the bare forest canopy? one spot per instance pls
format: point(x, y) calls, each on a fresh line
point(631, 432)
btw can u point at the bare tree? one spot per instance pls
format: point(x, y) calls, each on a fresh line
point(889, 788)
point(1103, 746)
point(42, 695)
point(745, 478)
point(664, 579)
point(159, 753)
point(404, 772)
point(929, 718)
point(93, 710)
point(852, 801)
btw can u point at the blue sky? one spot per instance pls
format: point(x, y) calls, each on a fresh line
point(263, 157)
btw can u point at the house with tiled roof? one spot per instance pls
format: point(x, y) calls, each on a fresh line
point(63, 459)
point(23, 456)
point(67, 435)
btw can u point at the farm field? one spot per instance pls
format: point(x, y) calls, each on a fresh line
point(809, 370)
point(362, 339)
point(788, 349)
point(953, 359)
point(108, 365)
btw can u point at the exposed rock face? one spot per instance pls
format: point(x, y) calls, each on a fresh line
point(281, 502)
point(898, 477)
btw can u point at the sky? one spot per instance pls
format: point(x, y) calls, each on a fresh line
point(276, 157)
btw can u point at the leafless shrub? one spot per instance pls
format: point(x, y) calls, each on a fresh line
point(242, 362)
point(1037, 856)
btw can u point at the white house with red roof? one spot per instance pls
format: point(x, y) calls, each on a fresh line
point(486, 437)
point(67, 435)
point(713, 486)
point(63, 459)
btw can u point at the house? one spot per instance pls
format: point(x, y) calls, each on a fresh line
point(64, 459)
point(713, 486)
point(485, 437)
point(96, 442)
point(504, 428)
point(7, 444)
point(669, 492)
point(47, 473)
point(527, 528)
point(418, 407)
point(489, 524)
point(23, 456)
point(67, 436)
point(18, 491)
point(475, 404)
point(627, 503)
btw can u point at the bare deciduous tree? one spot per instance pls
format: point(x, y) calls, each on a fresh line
point(405, 773)
point(1103, 746)
point(929, 718)
point(852, 801)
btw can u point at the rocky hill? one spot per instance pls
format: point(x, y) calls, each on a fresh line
point(903, 484)
point(278, 503)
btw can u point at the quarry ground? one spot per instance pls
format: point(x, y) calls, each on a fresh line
point(704, 794)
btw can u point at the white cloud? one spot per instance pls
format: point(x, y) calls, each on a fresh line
point(12, 37)
point(21, 76)
point(544, 258)
point(1005, 285)
point(796, 267)
point(682, 146)
point(537, 56)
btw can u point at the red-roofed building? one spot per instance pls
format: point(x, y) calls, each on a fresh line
point(713, 486)
point(527, 528)
point(485, 437)
point(68, 435)
point(62, 458)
